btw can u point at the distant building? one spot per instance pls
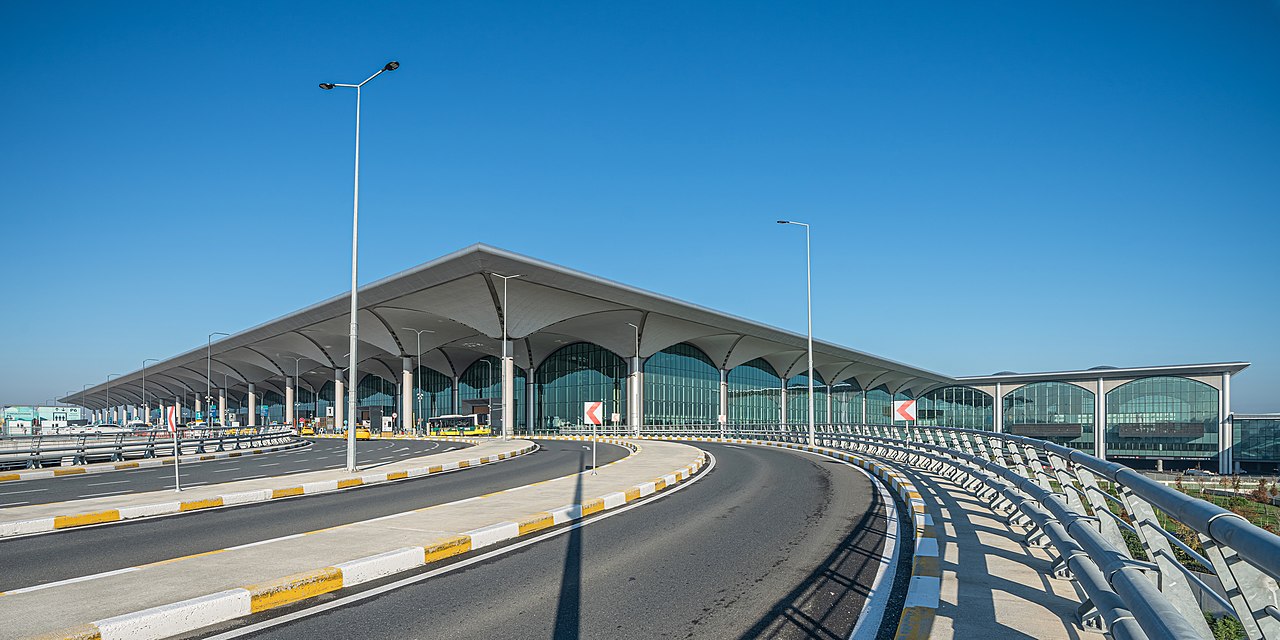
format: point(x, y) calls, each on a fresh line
point(19, 420)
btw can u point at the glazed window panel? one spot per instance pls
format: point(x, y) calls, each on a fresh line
point(755, 393)
point(1163, 416)
point(956, 406)
point(1055, 411)
point(433, 395)
point(1256, 439)
point(681, 386)
point(879, 406)
point(483, 380)
point(846, 402)
point(798, 399)
point(574, 375)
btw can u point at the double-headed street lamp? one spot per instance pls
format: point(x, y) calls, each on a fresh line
point(808, 278)
point(355, 235)
point(417, 368)
point(508, 422)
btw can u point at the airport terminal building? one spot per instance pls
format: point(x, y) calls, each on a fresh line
point(432, 344)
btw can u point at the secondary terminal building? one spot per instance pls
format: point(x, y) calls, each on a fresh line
point(431, 343)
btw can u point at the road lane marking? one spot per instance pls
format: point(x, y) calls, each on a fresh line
point(13, 493)
point(225, 470)
point(102, 484)
point(108, 493)
point(734, 446)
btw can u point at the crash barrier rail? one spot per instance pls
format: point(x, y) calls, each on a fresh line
point(34, 452)
point(1087, 511)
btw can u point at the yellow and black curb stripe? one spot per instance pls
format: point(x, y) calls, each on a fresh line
point(924, 588)
point(147, 463)
point(52, 523)
point(188, 615)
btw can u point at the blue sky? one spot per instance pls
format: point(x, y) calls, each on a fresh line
point(993, 185)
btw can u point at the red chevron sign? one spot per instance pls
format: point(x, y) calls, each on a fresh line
point(904, 410)
point(593, 413)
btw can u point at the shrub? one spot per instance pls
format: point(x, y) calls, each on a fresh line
point(1225, 628)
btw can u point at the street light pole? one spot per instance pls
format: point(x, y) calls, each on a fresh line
point(808, 277)
point(208, 372)
point(146, 406)
point(508, 421)
point(417, 368)
point(355, 236)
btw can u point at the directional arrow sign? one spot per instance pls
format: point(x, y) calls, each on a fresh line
point(904, 410)
point(593, 413)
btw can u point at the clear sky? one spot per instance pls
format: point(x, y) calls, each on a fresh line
point(1023, 186)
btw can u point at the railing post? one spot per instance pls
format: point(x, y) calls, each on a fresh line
point(1249, 590)
point(1170, 581)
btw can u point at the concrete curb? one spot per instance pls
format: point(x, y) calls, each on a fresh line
point(145, 463)
point(924, 590)
point(52, 523)
point(188, 615)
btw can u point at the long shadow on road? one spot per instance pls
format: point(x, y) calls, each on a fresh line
point(569, 605)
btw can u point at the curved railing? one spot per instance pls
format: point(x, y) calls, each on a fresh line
point(1101, 519)
point(33, 452)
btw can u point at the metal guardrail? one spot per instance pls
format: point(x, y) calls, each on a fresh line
point(1086, 511)
point(34, 452)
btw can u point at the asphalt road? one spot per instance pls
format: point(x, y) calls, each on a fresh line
point(323, 453)
point(80, 552)
point(770, 544)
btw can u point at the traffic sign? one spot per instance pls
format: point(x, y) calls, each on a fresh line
point(172, 418)
point(904, 410)
point(593, 413)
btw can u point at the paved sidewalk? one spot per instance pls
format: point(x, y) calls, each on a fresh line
point(39, 518)
point(993, 585)
point(207, 588)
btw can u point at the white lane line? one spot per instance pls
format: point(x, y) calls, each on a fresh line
point(14, 493)
point(733, 446)
point(102, 484)
point(226, 470)
point(72, 580)
point(404, 582)
point(254, 477)
point(108, 493)
point(254, 544)
point(269, 465)
point(13, 504)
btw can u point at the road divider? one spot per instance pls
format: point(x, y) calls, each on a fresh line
point(146, 463)
point(44, 518)
point(451, 530)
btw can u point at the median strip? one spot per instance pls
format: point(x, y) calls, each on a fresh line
point(146, 463)
point(611, 484)
point(212, 496)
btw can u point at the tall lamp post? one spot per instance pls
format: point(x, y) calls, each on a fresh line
point(417, 367)
point(208, 373)
point(808, 278)
point(146, 406)
point(84, 390)
point(508, 422)
point(355, 235)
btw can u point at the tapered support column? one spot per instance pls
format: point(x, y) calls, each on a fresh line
point(508, 397)
point(1100, 421)
point(998, 409)
point(831, 419)
point(722, 414)
point(339, 402)
point(635, 395)
point(406, 395)
point(289, 396)
point(253, 406)
point(782, 407)
point(222, 406)
point(457, 405)
point(530, 403)
point(1225, 436)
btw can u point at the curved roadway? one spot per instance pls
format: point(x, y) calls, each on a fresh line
point(770, 543)
point(75, 553)
point(323, 453)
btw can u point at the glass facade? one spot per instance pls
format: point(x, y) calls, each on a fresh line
point(325, 399)
point(1055, 411)
point(755, 394)
point(681, 386)
point(846, 402)
point(1162, 417)
point(433, 395)
point(960, 407)
point(574, 375)
point(1256, 439)
point(880, 406)
point(798, 399)
point(482, 380)
point(376, 392)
